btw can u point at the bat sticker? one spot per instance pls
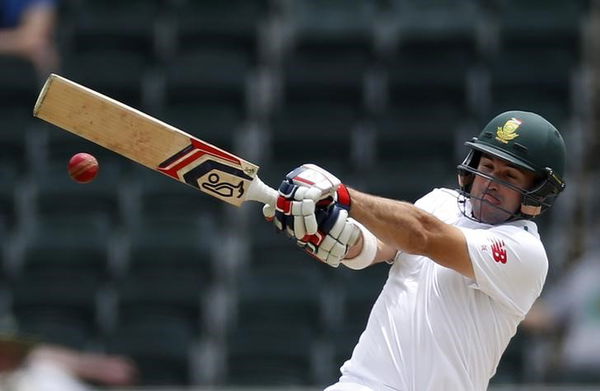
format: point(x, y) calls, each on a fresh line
point(223, 189)
point(196, 160)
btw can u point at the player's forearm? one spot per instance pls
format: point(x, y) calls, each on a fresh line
point(400, 225)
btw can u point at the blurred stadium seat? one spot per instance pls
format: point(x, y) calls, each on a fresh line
point(538, 23)
point(19, 82)
point(169, 267)
point(52, 314)
point(296, 126)
point(207, 74)
point(172, 244)
point(428, 75)
point(358, 291)
point(3, 257)
point(533, 79)
point(70, 246)
point(63, 266)
point(10, 175)
point(214, 24)
point(399, 180)
point(269, 356)
point(16, 124)
point(160, 347)
point(117, 74)
point(436, 19)
point(159, 195)
point(150, 294)
point(279, 297)
point(57, 312)
point(55, 194)
point(317, 97)
point(342, 27)
point(113, 25)
point(217, 123)
point(56, 147)
point(402, 135)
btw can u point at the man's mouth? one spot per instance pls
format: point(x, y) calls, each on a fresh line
point(491, 199)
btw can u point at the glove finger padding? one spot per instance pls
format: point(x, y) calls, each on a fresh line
point(303, 212)
point(305, 190)
point(295, 209)
point(336, 235)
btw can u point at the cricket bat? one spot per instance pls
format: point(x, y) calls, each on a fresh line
point(150, 142)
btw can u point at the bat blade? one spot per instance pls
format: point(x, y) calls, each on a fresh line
point(150, 142)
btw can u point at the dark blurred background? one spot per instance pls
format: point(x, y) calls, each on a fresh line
point(383, 93)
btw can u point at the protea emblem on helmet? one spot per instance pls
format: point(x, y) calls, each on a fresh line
point(508, 132)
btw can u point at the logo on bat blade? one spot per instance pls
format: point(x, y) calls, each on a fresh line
point(224, 189)
point(198, 159)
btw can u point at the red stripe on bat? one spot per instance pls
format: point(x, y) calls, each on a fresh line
point(200, 150)
point(190, 158)
point(209, 149)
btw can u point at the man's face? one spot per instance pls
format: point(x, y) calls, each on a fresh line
point(498, 196)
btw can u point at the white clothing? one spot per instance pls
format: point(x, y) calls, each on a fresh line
point(433, 329)
point(42, 376)
point(347, 386)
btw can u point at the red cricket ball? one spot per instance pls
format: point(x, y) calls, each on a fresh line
point(83, 167)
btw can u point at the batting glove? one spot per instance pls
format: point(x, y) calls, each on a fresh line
point(305, 189)
point(336, 234)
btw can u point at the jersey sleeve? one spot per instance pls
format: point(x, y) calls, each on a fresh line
point(510, 265)
point(436, 199)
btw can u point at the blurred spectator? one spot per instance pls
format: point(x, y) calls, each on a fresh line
point(571, 311)
point(27, 31)
point(26, 366)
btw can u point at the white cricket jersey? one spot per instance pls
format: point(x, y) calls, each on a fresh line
point(433, 329)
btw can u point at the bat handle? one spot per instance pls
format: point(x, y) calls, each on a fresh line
point(260, 192)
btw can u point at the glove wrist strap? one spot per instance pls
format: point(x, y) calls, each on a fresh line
point(368, 251)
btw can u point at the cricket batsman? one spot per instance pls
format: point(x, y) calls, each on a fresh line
point(467, 264)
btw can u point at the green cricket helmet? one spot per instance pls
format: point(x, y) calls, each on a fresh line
point(527, 141)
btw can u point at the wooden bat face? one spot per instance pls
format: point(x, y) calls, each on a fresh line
point(149, 141)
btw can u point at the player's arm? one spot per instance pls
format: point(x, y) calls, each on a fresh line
point(312, 208)
point(386, 226)
point(405, 227)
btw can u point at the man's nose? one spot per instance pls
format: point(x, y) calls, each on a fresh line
point(490, 184)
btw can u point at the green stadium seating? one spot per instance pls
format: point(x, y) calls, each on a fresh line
point(159, 346)
point(233, 25)
point(269, 356)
